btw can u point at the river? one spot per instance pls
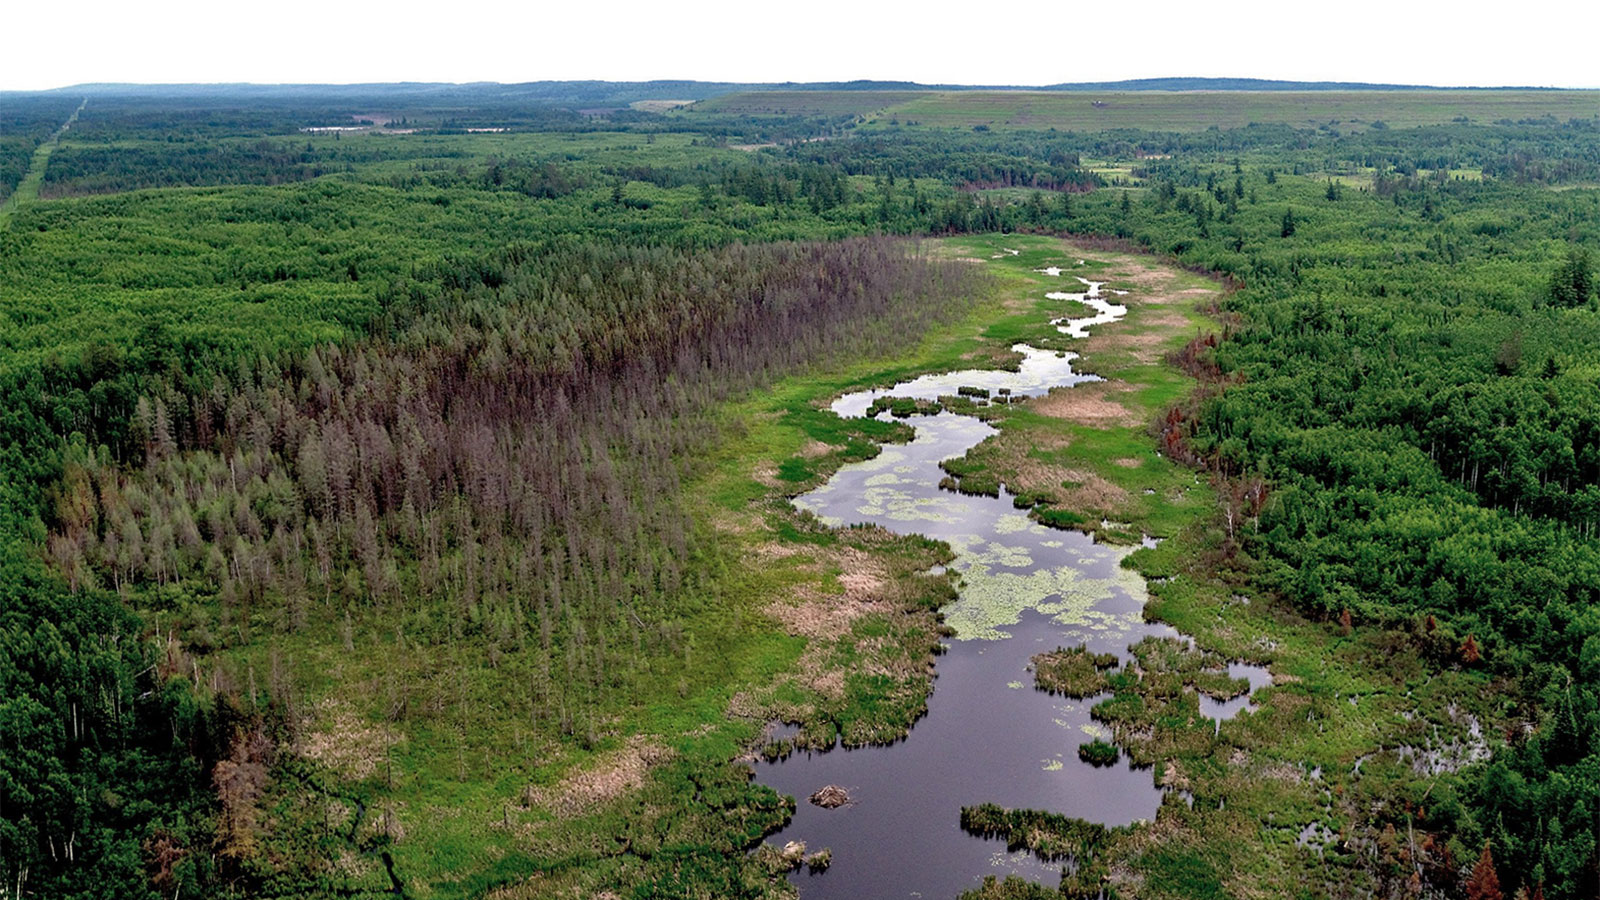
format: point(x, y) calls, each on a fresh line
point(989, 735)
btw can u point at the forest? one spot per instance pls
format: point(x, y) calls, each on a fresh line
point(422, 438)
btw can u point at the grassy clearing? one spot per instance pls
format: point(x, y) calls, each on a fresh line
point(28, 188)
point(1199, 110)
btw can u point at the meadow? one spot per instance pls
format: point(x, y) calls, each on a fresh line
point(1087, 111)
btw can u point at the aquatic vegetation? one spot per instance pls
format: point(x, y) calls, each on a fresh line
point(904, 407)
point(1099, 753)
point(991, 600)
point(1074, 672)
point(1165, 665)
point(1049, 836)
point(1010, 888)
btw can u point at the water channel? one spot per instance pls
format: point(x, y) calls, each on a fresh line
point(988, 736)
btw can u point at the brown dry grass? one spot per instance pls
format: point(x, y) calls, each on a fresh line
point(657, 106)
point(1171, 777)
point(813, 613)
point(611, 775)
point(1016, 456)
point(744, 522)
point(1092, 404)
point(821, 616)
point(766, 474)
point(1093, 493)
point(334, 735)
point(1152, 287)
point(774, 550)
point(1143, 346)
point(847, 584)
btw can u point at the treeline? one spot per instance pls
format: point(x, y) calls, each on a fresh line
point(977, 161)
point(210, 116)
point(16, 152)
point(80, 166)
point(90, 169)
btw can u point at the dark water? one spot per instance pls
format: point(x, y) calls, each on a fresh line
point(989, 736)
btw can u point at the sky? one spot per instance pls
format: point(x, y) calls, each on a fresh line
point(1018, 43)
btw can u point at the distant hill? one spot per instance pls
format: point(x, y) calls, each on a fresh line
point(619, 93)
point(557, 92)
point(1257, 84)
point(539, 92)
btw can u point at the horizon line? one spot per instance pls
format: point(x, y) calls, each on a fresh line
point(1114, 84)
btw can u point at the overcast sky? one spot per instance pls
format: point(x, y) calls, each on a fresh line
point(1025, 43)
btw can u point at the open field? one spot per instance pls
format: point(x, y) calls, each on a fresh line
point(1166, 111)
point(805, 103)
point(1196, 111)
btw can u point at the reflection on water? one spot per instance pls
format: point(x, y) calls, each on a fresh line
point(1040, 371)
point(988, 736)
point(1104, 311)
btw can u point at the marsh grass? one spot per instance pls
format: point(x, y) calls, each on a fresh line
point(1075, 672)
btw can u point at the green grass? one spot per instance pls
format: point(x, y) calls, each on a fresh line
point(1116, 172)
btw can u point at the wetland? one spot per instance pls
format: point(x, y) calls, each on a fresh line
point(989, 735)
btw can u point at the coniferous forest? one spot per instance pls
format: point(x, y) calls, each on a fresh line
point(405, 510)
